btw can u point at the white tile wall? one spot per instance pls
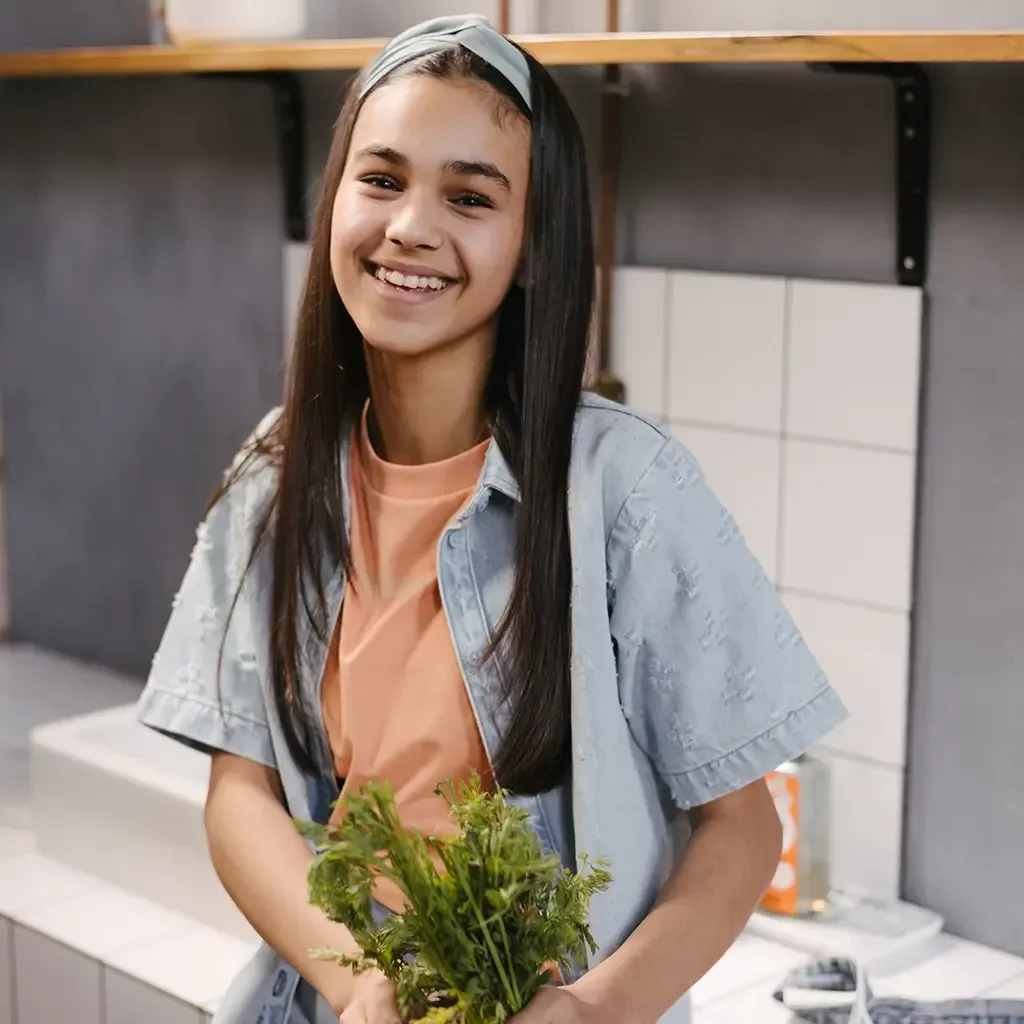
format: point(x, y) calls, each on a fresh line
point(726, 351)
point(799, 399)
point(6, 974)
point(30, 881)
point(72, 947)
point(638, 336)
point(194, 966)
point(15, 841)
point(864, 653)
point(867, 823)
point(103, 920)
point(743, 471)
point(848, 523)
point(854, 363)
point(53, 983)
point(130, 1002)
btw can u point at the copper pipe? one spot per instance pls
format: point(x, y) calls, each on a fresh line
point(611, 140)
point(504, 16)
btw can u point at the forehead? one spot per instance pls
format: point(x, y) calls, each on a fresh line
point(432, 120)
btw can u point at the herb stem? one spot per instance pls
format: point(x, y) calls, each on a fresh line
point(511, 966)
point(511, 995)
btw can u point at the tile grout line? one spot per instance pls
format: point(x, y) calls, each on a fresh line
point(846, 602)
point(860, 446)
point(102, 965)
point(783, 435)
point(862, 759)
point(106, 969)
point(724, 428)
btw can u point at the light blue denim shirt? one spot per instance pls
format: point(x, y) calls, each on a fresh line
point(689, 678)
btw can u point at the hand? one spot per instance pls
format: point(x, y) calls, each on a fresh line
point(374, 1001)
point(569, 1004)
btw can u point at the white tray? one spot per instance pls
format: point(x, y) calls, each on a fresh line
point(857, 924)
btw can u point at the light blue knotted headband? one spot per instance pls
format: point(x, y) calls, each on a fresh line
point(473, 31)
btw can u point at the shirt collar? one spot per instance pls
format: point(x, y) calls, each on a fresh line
point(497, 475)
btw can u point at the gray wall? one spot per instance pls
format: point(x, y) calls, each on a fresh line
point(31, 24)
point(965, 836)
point(139, 310)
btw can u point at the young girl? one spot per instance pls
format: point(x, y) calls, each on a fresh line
point(442, 556)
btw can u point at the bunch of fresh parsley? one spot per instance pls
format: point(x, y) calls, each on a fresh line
point(478, 937)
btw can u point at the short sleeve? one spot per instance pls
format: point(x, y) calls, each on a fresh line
point(206, 685)
point(716, 682)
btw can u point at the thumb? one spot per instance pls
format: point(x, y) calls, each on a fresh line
point(353, 1014)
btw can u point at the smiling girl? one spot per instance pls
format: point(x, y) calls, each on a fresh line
point(442, 556)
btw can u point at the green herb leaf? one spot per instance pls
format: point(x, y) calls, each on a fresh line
point(478, 937)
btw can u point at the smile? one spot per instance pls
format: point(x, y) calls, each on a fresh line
point(408, 283)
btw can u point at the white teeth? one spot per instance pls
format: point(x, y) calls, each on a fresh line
point(412, 282)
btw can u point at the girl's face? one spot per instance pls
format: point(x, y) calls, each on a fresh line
point(428, 220)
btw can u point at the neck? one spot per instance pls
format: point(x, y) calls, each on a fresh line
point(429, 407)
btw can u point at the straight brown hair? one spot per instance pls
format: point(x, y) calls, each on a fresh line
point(532, 395)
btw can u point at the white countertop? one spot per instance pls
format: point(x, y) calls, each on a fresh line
point(739, 988)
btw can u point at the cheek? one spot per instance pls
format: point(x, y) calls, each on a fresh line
point(494, 259)
point(353, 227)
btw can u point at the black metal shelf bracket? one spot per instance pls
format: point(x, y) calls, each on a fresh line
point(291, 140)
point(290, 125)
point(912, 92)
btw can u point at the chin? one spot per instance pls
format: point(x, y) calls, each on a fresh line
point(401, 339)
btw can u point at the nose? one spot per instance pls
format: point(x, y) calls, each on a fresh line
point(415, 223)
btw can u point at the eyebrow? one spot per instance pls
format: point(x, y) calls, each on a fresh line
point(462, 168)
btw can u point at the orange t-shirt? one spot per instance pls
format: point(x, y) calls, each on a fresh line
point(394, 701)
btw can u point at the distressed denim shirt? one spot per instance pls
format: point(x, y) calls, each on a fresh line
point(689, 678)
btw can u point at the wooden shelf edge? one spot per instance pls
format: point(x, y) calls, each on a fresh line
point(554, 50)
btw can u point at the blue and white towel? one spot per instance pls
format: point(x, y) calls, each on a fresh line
point(824, 992)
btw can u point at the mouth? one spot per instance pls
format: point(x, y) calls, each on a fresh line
point(410, 284)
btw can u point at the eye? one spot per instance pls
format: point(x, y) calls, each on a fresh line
point(384, 181)
point(473, 199)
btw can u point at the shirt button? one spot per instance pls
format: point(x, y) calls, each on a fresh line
point(451, 539)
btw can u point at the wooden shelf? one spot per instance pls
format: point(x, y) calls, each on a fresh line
point(621, 48)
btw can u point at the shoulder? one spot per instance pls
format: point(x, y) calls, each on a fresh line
point(205, 687)
point(251, 478)
point(631, 459)
point(255, 460)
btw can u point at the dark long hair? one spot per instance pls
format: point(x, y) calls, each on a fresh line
point(532, 394)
